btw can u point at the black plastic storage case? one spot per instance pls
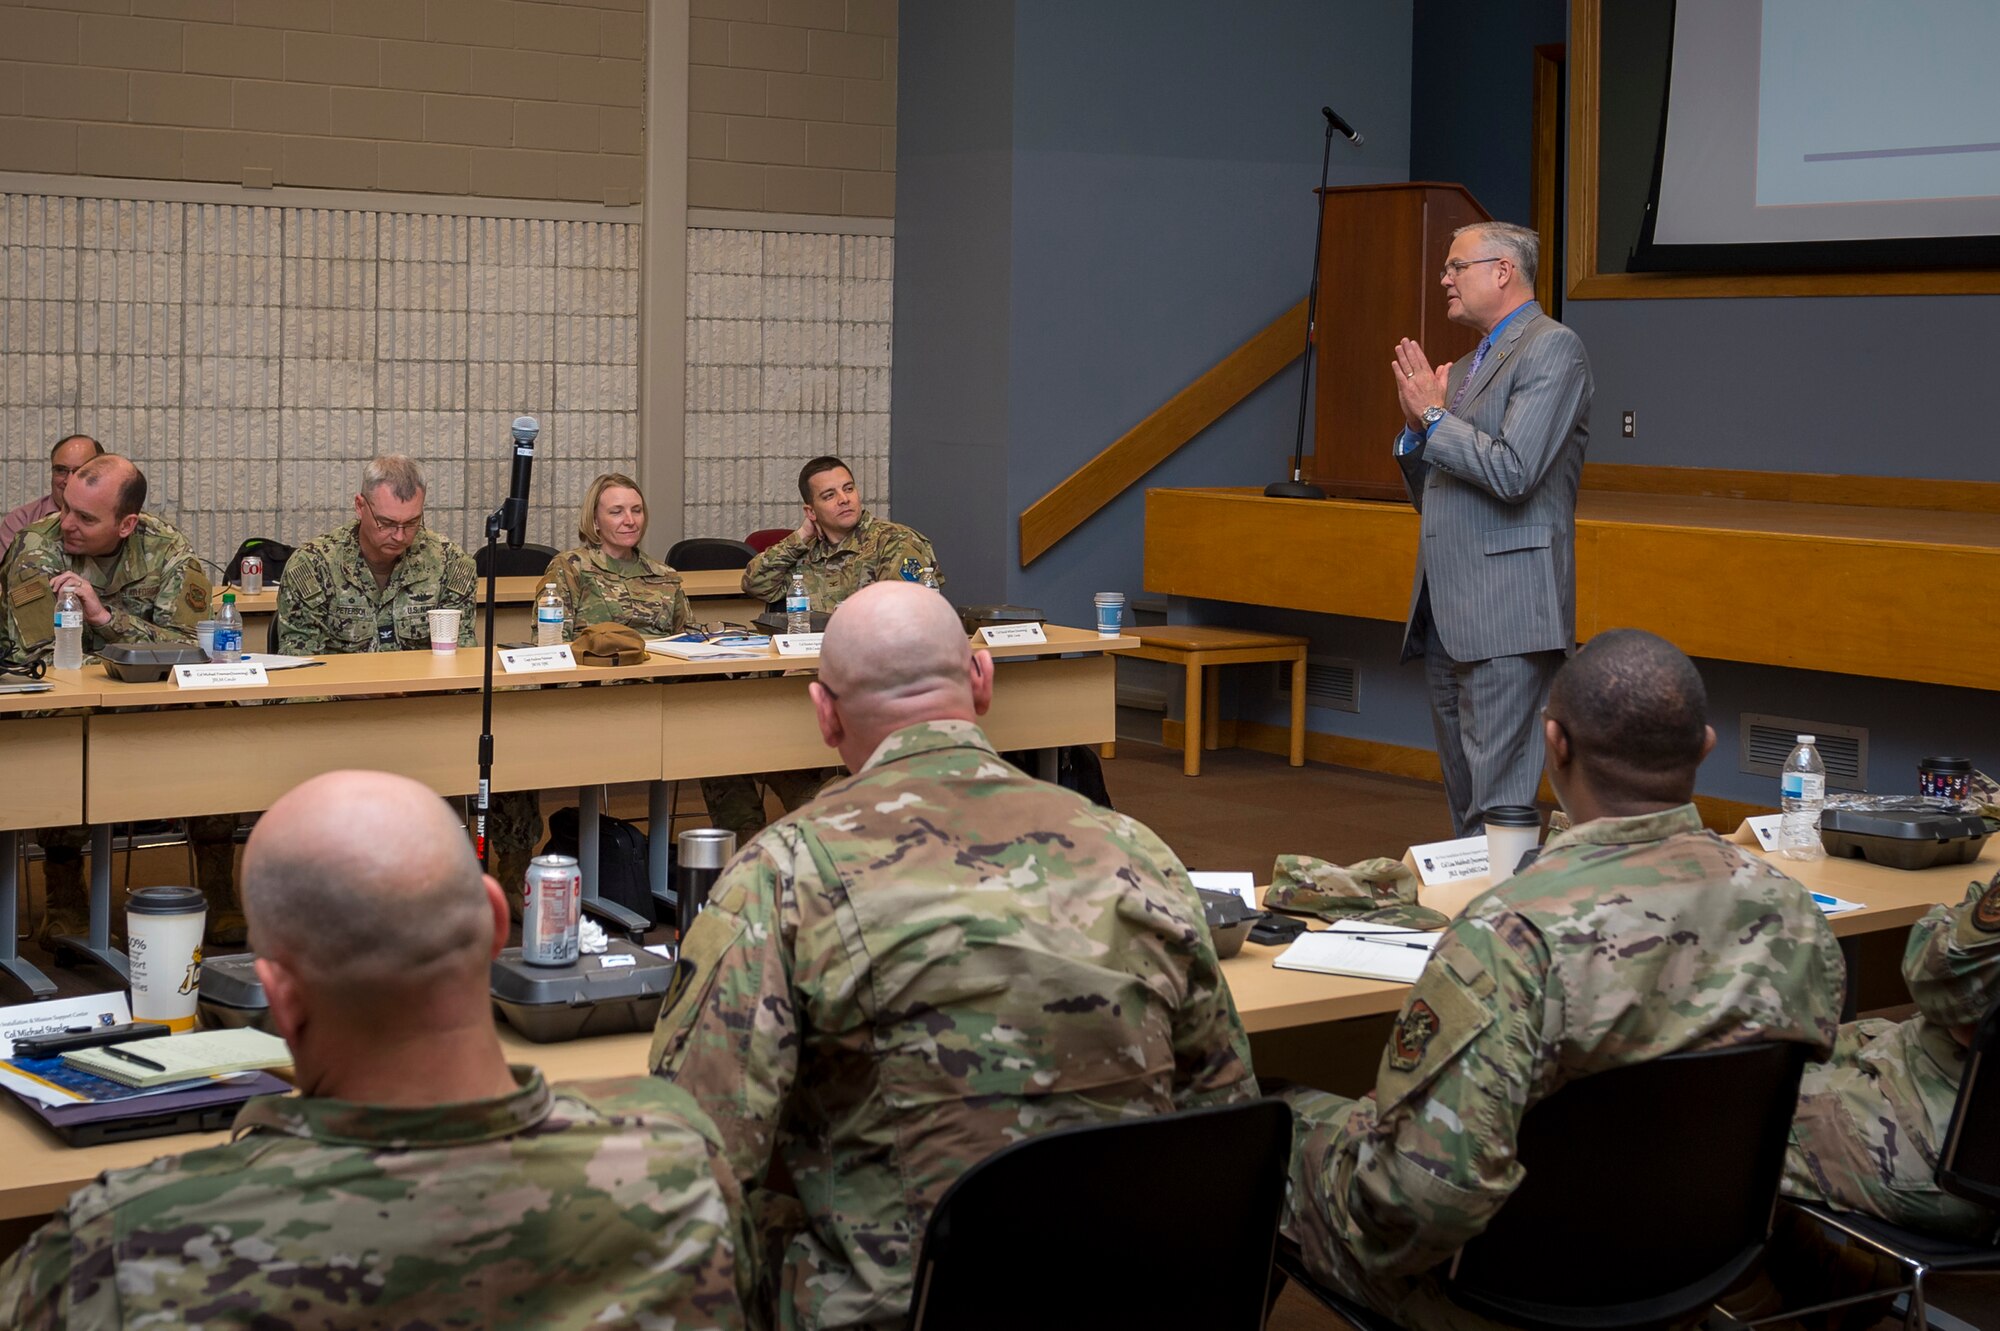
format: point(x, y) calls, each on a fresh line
point(231, 994)
point(547, 1004)
point(147, 662)
point(1903, 838)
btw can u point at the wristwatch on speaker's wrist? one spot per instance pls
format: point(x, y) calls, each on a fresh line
point(1432, 415)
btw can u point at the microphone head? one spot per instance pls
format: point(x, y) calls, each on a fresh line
point(1327, 111)
point(525, 429)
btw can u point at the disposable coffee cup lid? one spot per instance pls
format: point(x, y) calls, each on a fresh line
point(1947, 764)
point(1513, 815)
point(165, 901)
point(706, 847)
point(1107, 597)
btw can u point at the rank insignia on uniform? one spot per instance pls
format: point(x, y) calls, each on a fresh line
point(911, 570)
point(1986, 912)
point(1414, 1033)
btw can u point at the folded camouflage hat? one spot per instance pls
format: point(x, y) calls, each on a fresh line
point(1984, 791)
point(609, 645)
point(1381, 891)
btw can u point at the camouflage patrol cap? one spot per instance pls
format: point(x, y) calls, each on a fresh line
point(1955, 984)
point(1984, 791)
point(1382, 891)
point(610, 645)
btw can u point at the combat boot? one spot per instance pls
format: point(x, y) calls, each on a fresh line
point(215, 874)
point(67, 897)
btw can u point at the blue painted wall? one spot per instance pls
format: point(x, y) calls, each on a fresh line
point(1160, 166)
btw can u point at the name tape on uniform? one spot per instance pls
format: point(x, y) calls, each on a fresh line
point(221, 675)
point(1010, 635)
point(798, 644)
point(522, 660)
point(1450, 861)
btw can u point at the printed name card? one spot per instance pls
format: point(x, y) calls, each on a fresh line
point(524, 660)
point(798, 644)
point(1012, 635)
point(1765, 828)
point(611, 961)
point(221, 675)
point(1450, 861)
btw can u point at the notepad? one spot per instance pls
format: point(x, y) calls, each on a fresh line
point(184, 1057)
point(1358, 948)
point(710, 651)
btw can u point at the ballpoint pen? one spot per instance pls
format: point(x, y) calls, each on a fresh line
point(116, 1052)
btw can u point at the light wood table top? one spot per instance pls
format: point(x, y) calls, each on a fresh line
point(507, 591)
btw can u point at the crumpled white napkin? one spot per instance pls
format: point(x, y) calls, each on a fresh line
point(594, 939)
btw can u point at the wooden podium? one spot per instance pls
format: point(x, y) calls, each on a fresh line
point(1382, 249)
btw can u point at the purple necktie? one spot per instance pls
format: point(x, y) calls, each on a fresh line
point(1478, 355)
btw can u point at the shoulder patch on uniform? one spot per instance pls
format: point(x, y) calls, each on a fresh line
point(1986, 913)
point(1415, 1030)
point(196, 596)
point(911, 570)
point(28, 590)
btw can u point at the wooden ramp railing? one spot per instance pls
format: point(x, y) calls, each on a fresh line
point(1155, 439)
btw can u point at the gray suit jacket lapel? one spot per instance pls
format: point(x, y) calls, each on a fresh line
point(1499, 354)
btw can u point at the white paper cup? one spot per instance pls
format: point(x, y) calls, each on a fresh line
point(164, 926)
point(444, 631)
point(204, 634)
point(1110, 613)
point(1512, 831)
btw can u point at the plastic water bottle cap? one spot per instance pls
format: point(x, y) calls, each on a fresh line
point(1806, 739)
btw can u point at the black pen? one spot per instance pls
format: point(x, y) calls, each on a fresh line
point(1383, 942)
point(116, 1052)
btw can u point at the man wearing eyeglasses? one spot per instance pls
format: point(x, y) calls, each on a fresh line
point(1492, 451)
point(370, 587)
point(68, 454)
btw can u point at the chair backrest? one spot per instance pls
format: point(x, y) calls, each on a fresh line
point(1649, 1190)
point(765, 537)
point(275, 555)
point(708, 552)
point(1163, 1221)
point(529, 561)
point(1969, 1164)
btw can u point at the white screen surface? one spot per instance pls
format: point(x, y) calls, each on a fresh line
point(1830, 120)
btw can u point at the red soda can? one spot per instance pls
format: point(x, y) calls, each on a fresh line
point(551, 911)
point(252, 575)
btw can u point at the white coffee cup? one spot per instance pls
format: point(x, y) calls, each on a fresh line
point(164, 927)
point(1110, 613)
point(444, 631)
point(1512, 830)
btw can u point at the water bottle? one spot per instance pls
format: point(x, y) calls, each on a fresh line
point(549, 617)
point(1803, 787)
point(798, 606)
point(69, 630)
point(228, 631)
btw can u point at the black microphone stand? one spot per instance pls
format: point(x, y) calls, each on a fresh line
point(1298, 487)
point(499, 520)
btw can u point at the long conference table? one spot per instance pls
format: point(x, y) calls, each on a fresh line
point(117, 752)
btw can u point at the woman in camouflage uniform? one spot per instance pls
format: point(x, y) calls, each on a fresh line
point(608, 578)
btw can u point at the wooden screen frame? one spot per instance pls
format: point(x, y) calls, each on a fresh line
point(1587, 283)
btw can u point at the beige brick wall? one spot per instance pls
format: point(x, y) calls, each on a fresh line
point(534, 99)
point(792, 106)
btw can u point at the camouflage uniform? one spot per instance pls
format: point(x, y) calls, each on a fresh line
point(1872, 1118)
point(156, 591)
point(329, 605)
point(602, 1204)
point(875, 551)
point(1629, 939)
point(154, 587)
point(640, 593)
point(935, 958)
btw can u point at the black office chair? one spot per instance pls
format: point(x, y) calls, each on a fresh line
point(275, 554)
point(1159, 1222)
point(1968, 1166)
point(529, 561)
point(1649, 1192)
point(709, 552)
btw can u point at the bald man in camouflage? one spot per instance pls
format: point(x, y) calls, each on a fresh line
point(1872, 1119)
point(932, 959)
point(417, 1179)
point(1635, 935)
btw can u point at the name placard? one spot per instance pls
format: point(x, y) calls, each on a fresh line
point(1450, 861)
point(221, 675)
point(1007, 635)
point(524, 660)
point(1765, 828)
point(798, 644)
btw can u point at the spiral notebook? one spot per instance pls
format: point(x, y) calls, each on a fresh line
point(1359, 948)
point(146, 1063)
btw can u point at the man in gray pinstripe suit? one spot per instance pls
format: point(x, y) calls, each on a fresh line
point(1492, 450)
